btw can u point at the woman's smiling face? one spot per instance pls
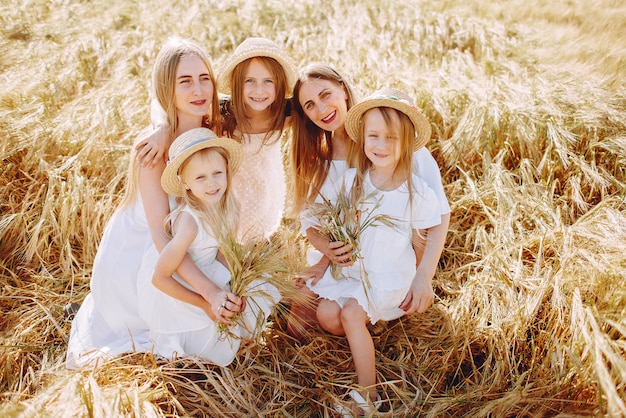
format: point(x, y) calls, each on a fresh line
point(194, 89)
point(324, 102)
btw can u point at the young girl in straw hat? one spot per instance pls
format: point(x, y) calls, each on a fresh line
point(199, 173)
point(259, 78)
point(108, 322)
point(321, 152)
point(387, 129)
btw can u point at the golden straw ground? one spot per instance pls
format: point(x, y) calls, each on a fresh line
point(528, 108)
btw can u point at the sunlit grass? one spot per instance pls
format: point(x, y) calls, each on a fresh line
point(528, 106)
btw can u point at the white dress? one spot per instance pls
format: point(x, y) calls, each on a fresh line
point(107, 323)
point(260, 185)
point(424, 166)
point(179, 329)
point(387, 254)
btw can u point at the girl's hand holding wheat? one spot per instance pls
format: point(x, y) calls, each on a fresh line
point(222, 306)
point(337, 252)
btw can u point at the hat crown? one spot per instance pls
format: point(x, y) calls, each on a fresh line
point(256, 44)
point(392, 94)
point(188, 139)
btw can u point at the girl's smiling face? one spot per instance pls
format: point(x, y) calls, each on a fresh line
point(324, 103)
point(205, 176)
point(194, 89)
point(259, 86)
point(381, 141)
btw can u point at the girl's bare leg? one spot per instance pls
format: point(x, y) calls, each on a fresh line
point(354, 321)
point(329, 315)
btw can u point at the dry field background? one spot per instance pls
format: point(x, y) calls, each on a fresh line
point(528, 105)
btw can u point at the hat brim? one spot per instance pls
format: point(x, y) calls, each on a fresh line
point(169, 179)
point(353, 123)
point(224, 76)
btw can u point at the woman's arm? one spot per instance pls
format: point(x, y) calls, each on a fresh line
point(155, 202)
point(428, 252)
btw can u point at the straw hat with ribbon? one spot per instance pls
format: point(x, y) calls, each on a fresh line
point(256, 47)
point(188, 143)
point(394, 99)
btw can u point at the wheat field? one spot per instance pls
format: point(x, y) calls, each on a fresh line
point(527, 101)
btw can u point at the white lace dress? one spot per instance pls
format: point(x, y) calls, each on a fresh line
point(179, 329)
point(388, 258)
point(260, 185)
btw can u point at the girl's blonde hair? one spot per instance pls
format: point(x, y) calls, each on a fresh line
point(223, 215)
point(311, 148)
point(235, 113)
point(406, 137)
point(164, 88)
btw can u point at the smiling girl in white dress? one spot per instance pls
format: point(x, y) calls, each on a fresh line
point(387, 129)
point(199, 173)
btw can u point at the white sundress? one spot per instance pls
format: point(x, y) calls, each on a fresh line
point(424, 167)
point(179, 329)
point(260, 186)
point(387, 253)
point(108, 323)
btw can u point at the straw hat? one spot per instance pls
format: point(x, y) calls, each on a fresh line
point(256, 47)
point(188, 143)
point(394, 99)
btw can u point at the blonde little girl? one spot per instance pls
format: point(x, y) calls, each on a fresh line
point(199, 173)
point(387, 129)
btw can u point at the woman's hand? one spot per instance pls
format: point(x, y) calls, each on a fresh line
point(314, 272)
point(420, 296)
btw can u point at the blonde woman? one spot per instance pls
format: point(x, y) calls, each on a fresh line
point(108, 322)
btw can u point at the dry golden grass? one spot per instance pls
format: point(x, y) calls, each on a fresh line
point(528, 105)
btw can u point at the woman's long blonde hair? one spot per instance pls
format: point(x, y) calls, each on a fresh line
point(311, 148)
point(163, 89)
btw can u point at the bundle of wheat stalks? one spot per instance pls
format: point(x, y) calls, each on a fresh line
point(530, 136)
